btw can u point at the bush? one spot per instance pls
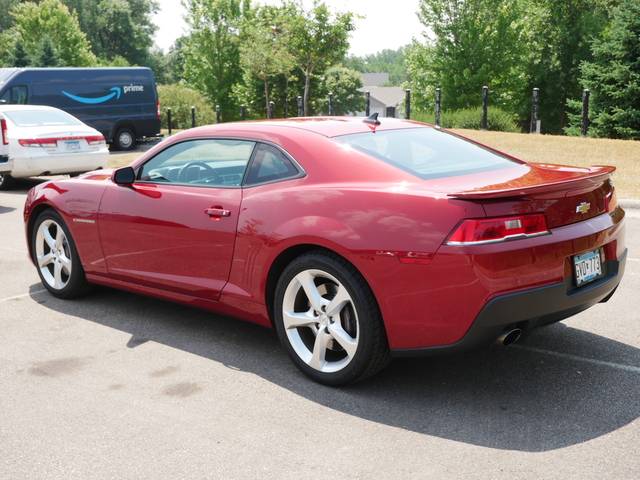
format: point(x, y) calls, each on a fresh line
point(471, 118)
point(180, 99)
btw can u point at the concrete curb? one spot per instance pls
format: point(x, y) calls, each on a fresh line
point(630, 204)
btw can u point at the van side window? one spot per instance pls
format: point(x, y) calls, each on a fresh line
point(15, 95)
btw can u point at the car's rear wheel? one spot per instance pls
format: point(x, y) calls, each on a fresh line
point(328, 320)
point(7, 182)
point(56, 257)
point(124, 139)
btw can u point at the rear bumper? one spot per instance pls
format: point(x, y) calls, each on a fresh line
point(528, 310)
point(6, 164)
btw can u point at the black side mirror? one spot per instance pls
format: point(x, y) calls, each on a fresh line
point(124, 176)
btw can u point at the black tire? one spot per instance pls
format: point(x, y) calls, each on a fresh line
point(7, 182)
point(56, 257)
point(124, 139)
point(332, 342)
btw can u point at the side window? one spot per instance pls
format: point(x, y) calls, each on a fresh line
point(15, 95)
point(270, 164)
point(205, 162)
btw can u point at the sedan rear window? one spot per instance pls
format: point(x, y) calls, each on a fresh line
point(41, 118)
point(427, 153)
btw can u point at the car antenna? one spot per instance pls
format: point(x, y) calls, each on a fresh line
point(372, 119)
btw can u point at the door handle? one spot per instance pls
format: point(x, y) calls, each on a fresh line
point(217, 212)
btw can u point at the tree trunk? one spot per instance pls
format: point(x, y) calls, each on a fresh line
point(307, 87)
point(266, 95)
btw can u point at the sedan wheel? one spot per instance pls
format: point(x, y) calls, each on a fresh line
point(56, 258)
point(328, 320)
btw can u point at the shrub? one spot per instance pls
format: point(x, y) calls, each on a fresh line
point(471, 118)
point(180, 99)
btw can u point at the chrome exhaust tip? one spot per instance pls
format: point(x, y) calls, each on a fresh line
point(509, 337)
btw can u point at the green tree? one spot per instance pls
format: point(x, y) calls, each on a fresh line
point(264, 51)
point(19, 57)
point(122, 28)
point(212, 56)
point(385, 61)
point(558, 36)
point(475, 43)
point(319, 40)
point(52, 18)
point(344, 84)
point(613, 76)
point(46, 54)
point(180, 98)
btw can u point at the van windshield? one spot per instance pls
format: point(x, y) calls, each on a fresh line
point(41, 118)
point(427, 153)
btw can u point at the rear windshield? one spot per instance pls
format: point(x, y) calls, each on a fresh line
point(427, 153)
point(40, 118)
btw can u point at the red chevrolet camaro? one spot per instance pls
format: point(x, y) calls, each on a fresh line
point(357, 240)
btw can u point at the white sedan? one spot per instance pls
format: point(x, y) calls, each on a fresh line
point(47, 141)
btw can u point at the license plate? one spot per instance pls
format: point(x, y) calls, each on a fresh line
point(74, 145)
point(587, 267)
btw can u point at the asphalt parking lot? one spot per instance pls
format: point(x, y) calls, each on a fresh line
point(116, 385)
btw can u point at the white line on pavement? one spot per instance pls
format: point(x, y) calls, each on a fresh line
point(619, 366)
point(22, 296)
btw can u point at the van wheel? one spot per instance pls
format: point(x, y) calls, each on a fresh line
point(7, 182)
point(125, 139)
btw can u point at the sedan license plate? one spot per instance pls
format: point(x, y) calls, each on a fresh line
point(587, 267)
point(74, 145)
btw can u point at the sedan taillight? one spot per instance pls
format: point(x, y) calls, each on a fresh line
point(96, 140)
point(38, 142)
point(5, 137)
point(492, 230)
point(53, 142)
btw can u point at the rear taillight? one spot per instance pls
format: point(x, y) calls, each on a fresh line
point(53, 142)
point(158, 109)
point(5, 137)
point(96, 140)
point(492, 230)
point(38, 142)
point(611, 201)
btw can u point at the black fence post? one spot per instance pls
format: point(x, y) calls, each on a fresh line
point(367, 105)
point(193, 117)
point(407, 104)
point(485, 104)
point(299, 106)
point(438, 103)
point(585, 113)
point(169, 120)
point(272, 110)
point(534, 111)
point(217, 113)
point(243, 112)
point(330, 104)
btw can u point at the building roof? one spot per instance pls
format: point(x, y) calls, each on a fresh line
point(388, 96)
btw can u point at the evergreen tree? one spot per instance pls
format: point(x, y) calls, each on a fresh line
point(46, 55)
point(19, 56)
point(614, 76)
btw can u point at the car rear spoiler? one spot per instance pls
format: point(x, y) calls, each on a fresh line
point(572, 186)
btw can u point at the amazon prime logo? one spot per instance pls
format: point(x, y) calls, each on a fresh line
point(117, 91)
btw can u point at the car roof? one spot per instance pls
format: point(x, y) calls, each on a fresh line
point(326, 126)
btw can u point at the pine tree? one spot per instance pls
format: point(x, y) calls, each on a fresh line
point(614, 76)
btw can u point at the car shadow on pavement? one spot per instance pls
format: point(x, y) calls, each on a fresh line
point(518, 398)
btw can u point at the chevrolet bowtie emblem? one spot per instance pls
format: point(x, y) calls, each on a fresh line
point(583, 207)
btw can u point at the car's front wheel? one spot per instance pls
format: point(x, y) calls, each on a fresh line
point(328, 320)
point(56, 257)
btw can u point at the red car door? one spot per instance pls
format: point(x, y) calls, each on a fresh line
point(174, 229)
